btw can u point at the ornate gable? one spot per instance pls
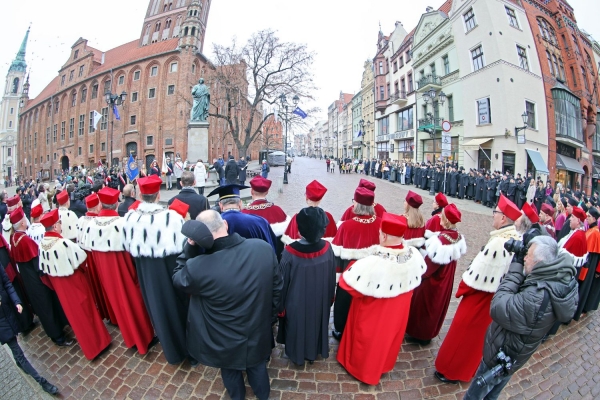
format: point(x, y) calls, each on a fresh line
point(428, 23)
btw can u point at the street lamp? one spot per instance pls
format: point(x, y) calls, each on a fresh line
point(113, 100)
point(521, 138)
point(285, 105)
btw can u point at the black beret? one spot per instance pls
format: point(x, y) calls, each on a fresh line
point(551, 201)
point(594, 212)
point(572, 201)
point(199, 233)
point(584, 207)
point(312, 222)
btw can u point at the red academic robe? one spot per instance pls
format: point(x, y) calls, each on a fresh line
point(549, 225)
point(432, 298)
point(433, 224)
point(353, 238)
point(414, 233)
point(274, 215)
point(76, 298)
point(461, 352)
point(375, 328)
point(292, 233)
point(348, 214)
point(118, 276)
point(576, 244)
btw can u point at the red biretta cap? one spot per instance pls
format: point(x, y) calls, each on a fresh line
point(50, 218)
point(413, 199)
point(441, 200)
point(108, 195)
point(508, 208)
point(530, 212)
point(367, 184)
point(364, 196)
point(260, 184)
point(315, 191)
point(92, 200)
point(62, 197)
point(452, 213)
point(393, 224)
point(17, 215)
point(150, 185)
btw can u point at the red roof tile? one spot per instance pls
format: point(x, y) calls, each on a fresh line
point(44, 95)
point(445, 8)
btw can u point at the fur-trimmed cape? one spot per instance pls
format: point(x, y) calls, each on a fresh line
point(153, 231)
point(104, 234)
point(68, 221)
point(575, 243)
point(387, 272)
point(445, 247)
point(82, 225)
point(491, 264)
point(60, 257)
point(36, 232)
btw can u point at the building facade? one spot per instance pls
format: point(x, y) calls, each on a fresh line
point(15, 86)
point(368, 109)
point(571, 90)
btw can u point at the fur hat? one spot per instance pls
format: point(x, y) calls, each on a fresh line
point(312, 222)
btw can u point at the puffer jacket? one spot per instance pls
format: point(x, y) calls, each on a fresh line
point(518, 300)
point(9, 328)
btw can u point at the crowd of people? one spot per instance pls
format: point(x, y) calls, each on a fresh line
point(389, 278)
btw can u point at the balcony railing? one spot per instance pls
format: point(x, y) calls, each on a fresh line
point(398, 96)
point(429, 80)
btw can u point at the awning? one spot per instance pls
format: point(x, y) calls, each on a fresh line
point(568, 163)
point(596, 171)
point(538, 161)
point(475, 144)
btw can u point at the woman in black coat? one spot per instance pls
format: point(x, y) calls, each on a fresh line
point(540, 196)
point(9, 329)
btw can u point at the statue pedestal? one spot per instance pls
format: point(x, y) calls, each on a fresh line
point(197, 142)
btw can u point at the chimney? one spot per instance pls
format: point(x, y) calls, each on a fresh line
point(429, 9)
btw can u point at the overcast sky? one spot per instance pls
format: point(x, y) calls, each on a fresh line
point(342, 33)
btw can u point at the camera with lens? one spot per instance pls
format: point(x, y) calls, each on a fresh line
point(519, 247)
point(502, 368)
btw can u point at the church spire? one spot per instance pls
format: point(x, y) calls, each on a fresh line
point(19, 63)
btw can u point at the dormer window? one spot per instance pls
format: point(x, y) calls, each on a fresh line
point(76, 54)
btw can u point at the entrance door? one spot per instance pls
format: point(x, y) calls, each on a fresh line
point(484, 159)
point(508, 163)
point(149, 159)
point(64, 163)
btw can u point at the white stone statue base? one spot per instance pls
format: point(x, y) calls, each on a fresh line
point(197, 142)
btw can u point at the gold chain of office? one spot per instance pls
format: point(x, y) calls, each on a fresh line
point(262, 206)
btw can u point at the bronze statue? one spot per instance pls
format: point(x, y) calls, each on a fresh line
point(201, 96)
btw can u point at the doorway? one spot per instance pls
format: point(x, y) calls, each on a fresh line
point(508, 163)
point(64, 163)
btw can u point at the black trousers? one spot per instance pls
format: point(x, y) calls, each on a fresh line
point(258, 378)
point(341, 308)
point(178, 183)
point(201, 190)
point(22, 361)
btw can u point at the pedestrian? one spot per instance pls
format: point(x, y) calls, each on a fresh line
point(9, 330)
point(116, 270)
point(243, 166)
point(328, 162)
point(154, 169)
point(128, 199)
point(381, 286)
point(462, 348)
point(231, 171)
point(61, 260)
point(200, 176)
point(265, 169)
point(169, 173)
point(241, 339)
point(351, 242)
point(308, 270)
point(590, 284)
point(178, 169)
point(432, 298)
point(538, 290)
point(196, 202)
point(153, 238)
point(546, 218)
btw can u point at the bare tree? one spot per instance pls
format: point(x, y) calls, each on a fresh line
point(249, 78)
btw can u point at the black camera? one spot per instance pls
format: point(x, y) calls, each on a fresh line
point(503, 367)
point(519, 247)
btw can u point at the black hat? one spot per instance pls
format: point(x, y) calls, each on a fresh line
point(550, 201)
point(312, 222)
point(228, 191)
point(584, 207)
point(572, 201)
point(199, 233)
point(594, 212)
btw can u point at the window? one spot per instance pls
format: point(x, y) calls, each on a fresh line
point(104, 120)
point(83, 94)
point(154, 71)
point(102, 146)
point(530, 108)
point(132, 120)
point(383, 126)
point(73, 99)
point(380, 67)
point(512, 17)
point(381, 93)
point(49, 109)
point(446, 63)
point(169, 142)
point(405, 119)
point(410, 83)
point(56, 106)
point(54, 156)
point(9, 152)
point(10, 124)
point(401, 61)
point(522, 53)
point(547, 31)
point(403, 86)
point(81, 68)
point(469, 20)
point(76, 54)
point(134, 97)
point(12, 110)
point(71, 75)
point(556, 70)
point(193, 68)
point(396, 66)
point(121, 79)
point(550, 66)
point(450, 101)
point(81, 125)
point(54, 133)
point(173, 67)
point(563, 76)
point(432, 67)
point(484, 112)
point(407, 56)
point(62, 80)
point(63, 130)
point(149, 140)
point(94, 91)
point(79, 151)
point(47, 135)
point(477, 55)
point(567, 114)
point(151, 93)
point(136, 75)
point(91, 148)
point(107, 86)
point(585, 80)
point(91, 127)
point(573, 77)
point(71, 128)
point(170, 90)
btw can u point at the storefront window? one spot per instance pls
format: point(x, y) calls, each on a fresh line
point(432, 149)
point(406, 149)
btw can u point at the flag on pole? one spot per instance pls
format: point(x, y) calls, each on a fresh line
point(299, 112)
point(132, 168)
point(97, 118)
point(116, 112)
point(360, 133)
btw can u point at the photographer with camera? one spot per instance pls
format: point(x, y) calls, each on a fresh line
point(538, 290)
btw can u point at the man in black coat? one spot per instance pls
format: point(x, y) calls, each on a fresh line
point(128, 199)
point(511, 190)
point(248, 285)
point(521, 192)
point(453, 182)
point(3, 206)
point(463, 183)
point(242, 166)
point(218, 168)
point(188, 195)
point(231, 171)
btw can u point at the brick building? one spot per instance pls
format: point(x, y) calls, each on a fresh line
point(156, 71)
point(570, 84)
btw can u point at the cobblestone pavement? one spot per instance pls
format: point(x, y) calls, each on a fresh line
point(567, 366)
point(16, 385)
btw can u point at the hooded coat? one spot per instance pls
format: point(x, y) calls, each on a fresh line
point(518, 300)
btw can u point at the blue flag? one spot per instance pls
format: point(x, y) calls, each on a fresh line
point(132, 168)
point(359, 134)
point(299, 113)
point(116, 112)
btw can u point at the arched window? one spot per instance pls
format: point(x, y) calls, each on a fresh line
point(556, 70)
point(185, 31)
point(168, 24)
point(15, 86)
point(547, 31)
point(549, 57)
point(193, 31)
point(157, 27)
point(147, 30)
point(170, 6)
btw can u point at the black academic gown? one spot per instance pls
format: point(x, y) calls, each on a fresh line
point(231, 308)
point(521, 195)
point(490, 191)
point(453, 183)
point(471, 187)
point(25, 318)
point(447, 181)
point(308, 290)
point(43, 300)
point(511, 191)
point(463, 183)
point(593, 297)
point(424, 178)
